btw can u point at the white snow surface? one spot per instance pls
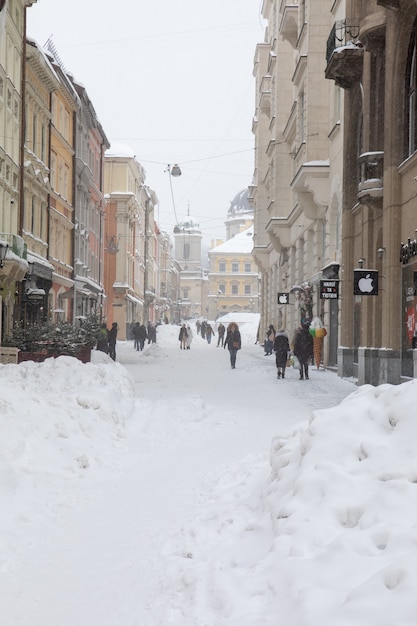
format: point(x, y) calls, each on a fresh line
point(167, 489)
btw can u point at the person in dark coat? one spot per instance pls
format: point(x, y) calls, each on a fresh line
point(182, 337)
point(303, 349)
point(281, 349)
point(233, 342)
point(142, 336)
point(111, 336)
point(220, 334)
point(135, 335)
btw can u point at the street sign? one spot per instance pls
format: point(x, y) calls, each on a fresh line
point(365, 283)
point(283, 298)
point(329, 289)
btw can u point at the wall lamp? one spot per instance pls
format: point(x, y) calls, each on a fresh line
point(3, 252)
point(380, 252)
point(361, 262)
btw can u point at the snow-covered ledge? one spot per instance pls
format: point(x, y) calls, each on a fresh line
point(311, 186)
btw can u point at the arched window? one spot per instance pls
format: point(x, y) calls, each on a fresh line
point(411, 95)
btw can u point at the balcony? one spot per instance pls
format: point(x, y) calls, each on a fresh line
point(15, 265)
point(371, 186)
point(289, 21)
point(344, 54)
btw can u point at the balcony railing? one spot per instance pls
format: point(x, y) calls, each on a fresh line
point(344, 53)
point(343, 33)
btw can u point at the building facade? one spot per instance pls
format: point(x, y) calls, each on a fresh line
point(192, 301)
point(372, 55)
point(233, 277)
point(13, 251)
point(297, 186)
point(129, 241)
point(89, 210)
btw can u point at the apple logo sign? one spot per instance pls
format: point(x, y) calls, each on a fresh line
point(366, 284)
point(282, 298)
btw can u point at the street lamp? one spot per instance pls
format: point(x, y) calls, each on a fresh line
point(4, 246)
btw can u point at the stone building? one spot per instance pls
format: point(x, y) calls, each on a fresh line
point(233, 279)
point(129, 241)
point(192, 301)
point(372, 55)
point(13, 252)
point(297, 186)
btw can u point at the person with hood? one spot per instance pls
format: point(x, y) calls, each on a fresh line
point(303, 349)
point(281, 349)
point(233, 342)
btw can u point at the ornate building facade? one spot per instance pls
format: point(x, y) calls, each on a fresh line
point(297, 186)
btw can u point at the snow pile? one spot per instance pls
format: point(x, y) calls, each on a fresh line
point(330, 538)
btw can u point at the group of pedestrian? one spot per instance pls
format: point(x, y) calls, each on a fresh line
point(185, 337)
point(106, 341)
point(140, 335)
point(302, 349)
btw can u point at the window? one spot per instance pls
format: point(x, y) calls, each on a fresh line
point(235, 267)
point(222, 288)
point(411, 95)
point(235, 289)
point(248, 267)
point(222, 266)
point(248, 290)
point(186, 251)
point(186, 293)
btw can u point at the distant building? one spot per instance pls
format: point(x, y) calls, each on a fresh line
point(193, 281)
point(233, 277)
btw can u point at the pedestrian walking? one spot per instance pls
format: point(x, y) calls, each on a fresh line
point(143, 335)
point(319, 333)
point(209, 333)
point(281, 349)
point(233, 342)
point(182, 337)
point(303, 349)
point(189, 337)
point(135, 335)
point(269, 340)
point(221, 329)
point(112, 335)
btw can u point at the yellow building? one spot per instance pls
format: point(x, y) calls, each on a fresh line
point(233, 276)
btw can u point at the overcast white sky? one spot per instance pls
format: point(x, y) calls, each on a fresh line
point(173, 80)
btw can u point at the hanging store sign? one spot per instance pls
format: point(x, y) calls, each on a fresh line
point(408, 251)
point(329, 289)
point(283, 298)
point(365, 283)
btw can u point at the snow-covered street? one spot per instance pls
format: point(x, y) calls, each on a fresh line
point(170, 490)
